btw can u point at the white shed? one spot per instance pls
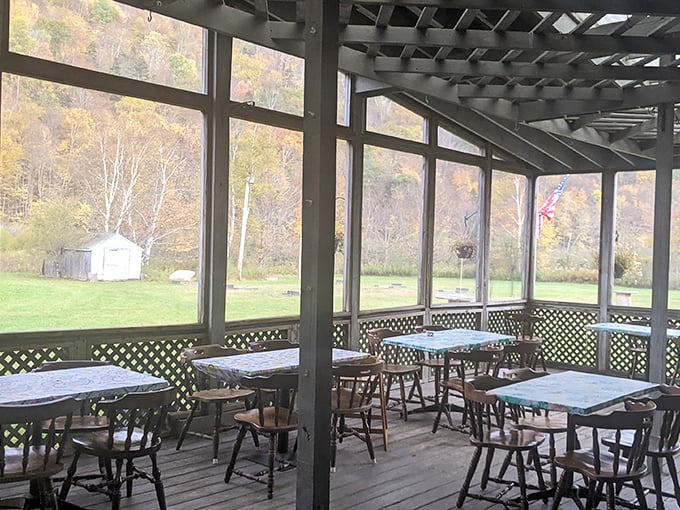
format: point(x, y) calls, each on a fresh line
point(106, 257)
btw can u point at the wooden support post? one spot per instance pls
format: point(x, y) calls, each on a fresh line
point(606, 268)
point(318, 248)
point(663, 196)
point(213, 280)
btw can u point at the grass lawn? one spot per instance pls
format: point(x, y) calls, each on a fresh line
point(34, 303)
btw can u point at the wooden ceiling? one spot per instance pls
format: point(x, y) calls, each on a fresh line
point(556, 91)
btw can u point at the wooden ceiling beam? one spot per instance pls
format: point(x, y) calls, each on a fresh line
point(525, 70)
point(646, 8)
point(490, 39)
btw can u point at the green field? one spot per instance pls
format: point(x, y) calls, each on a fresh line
point(34, 303)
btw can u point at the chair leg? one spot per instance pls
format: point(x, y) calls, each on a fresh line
point(216, 431)
point(522, 479)
point(383, 410)
point(270, 466)
point(468, 477)
point(237, 446)
point(656, 477)
point(505, 465)
point(539, 473)
point(487, 467)
point(115, 485)
point(70, 472)
point(187, 423)
point(674, 476)
point(559, 491)
point(402, 393)
point(367, 435)
point(158, 483)
point(334, 441)
point(129, 471)
point(640, 494)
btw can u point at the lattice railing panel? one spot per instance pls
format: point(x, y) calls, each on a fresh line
point(405, 324)
point(241, 339)
point(341, 335)
point(461, 320)
point(565, 341)
point(16, 362)
point(156, 357)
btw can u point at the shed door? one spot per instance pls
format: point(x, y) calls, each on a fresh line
point(116, 264)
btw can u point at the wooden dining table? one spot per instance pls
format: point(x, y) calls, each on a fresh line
point(448, 340)
point(81, 383)
point(232, 369)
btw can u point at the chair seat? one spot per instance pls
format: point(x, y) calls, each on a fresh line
point(583, 461)
point(81, 423)
point(455, 384)
point(637, 349)
point(547, 424)
point(220, 394)
point(36, 468)
point(348, 402)
point(269, 424)
point(509, 439)
point(653, 449)
point(96, 443)
point(400, 369)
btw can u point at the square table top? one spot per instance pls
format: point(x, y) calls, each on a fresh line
point(81, 383)
point(439, 342)
point(630, 329)
point(573, 392)
point(231, 369)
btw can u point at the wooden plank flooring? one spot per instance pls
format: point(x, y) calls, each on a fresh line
point(420, 470)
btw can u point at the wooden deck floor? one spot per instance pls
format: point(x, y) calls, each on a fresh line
point(419, 470)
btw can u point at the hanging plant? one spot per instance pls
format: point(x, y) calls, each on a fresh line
point(464, 248)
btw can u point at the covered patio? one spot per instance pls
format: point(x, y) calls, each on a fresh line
point(541, 91)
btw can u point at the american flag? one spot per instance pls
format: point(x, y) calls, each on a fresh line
point(547, 210)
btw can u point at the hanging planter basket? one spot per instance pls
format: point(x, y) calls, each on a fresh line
point(465, 251)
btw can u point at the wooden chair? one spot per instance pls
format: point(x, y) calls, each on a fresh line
point(355, 384)
point(202, 391)
point(609, 467)
point(480, 361)
point(662, 447)
point(527, 349)
point(37, 457)
point(136, 423)
point(637, 347)
point(275, 396)
point(432, 362)
point(394, 370)
point(487, 432)
point(271, 345)
point(530, 419)
point(86, 420)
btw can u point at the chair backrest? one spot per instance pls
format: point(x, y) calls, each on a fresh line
point(486, 412)
point(196, 380)
point(137, 419)
point(429, 327)
point(523, 374)
point(355, 384)
point(271, 345)
point(620, 455)
point(28, 421)
point(48, 366)
point(375, 342)
point(482, 361)
point(275, 396)
point(522, 325)
point(668, 412)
